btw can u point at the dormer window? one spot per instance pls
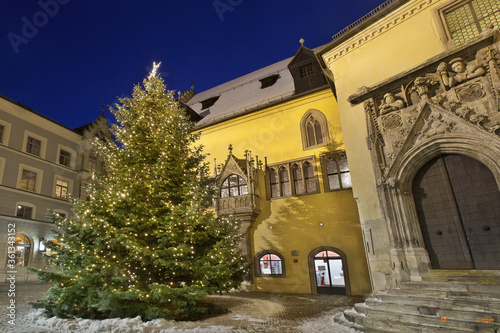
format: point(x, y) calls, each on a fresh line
point(306, 70)
point(209, 102)
point(269, 81)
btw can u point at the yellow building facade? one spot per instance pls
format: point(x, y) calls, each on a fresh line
point(418, 85)
point(276, 143)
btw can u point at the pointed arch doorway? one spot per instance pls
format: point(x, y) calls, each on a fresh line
point(328, 271)
point(458, 206)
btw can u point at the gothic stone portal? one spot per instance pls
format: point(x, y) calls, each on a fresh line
point(458, 206)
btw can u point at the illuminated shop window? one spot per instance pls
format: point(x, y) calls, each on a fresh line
point(328, 269)
point(269, 263)
point(19, 252)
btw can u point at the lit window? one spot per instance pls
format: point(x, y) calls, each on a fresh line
point(28, 180)
point(298, 183)
point(233, 186)
point(65, 158)
point(309, 178)
point(337, 173)
point(314, 130)
point(18, 254)
point(306, 70)
point(314, 134)
point(470, 18)
point(293, 178)
point(24, 211)
point(273, 181)
point(33, 146)
point(269, 263)
point(61, 189)
point(284, 183)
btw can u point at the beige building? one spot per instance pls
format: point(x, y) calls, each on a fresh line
point(42, 165)
point(418, 86)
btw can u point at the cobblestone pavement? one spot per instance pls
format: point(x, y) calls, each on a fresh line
point(249, 311)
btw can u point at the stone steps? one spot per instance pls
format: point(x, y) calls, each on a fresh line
point(370, 325)
point(465, 302)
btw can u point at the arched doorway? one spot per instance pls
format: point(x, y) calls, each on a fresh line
point(458, 206)
point(18, 251)
point(328, 269)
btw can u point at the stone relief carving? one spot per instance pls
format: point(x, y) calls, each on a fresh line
point(436, 125)
point(390, 103)
point(458, 71)
point(392, 121)
point(457, 93)
point(421, 86)
point(470, 92)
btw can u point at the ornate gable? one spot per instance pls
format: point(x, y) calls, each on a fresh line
point(238, 188)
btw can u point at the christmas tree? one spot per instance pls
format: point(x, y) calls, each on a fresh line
point(144, 243)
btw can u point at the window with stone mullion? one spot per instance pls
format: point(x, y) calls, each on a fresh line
point(284, 182)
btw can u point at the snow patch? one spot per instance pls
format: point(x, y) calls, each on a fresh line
point(247, 318)
point(325, 324)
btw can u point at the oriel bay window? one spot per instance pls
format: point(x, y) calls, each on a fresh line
point(233, 186)
point(292, 178)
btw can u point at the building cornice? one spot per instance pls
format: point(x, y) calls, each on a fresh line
point(382, 19)
point(27, 114)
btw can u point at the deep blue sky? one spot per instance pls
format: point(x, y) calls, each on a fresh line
point(84, 53)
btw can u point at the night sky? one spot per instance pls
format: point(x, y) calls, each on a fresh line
point(65, 58)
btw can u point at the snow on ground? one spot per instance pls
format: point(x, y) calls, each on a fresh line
point(246, 315)
point(38, 322)
point(324, 324)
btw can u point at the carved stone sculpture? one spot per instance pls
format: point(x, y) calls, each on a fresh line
point(460, 72)
point(389, 103)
